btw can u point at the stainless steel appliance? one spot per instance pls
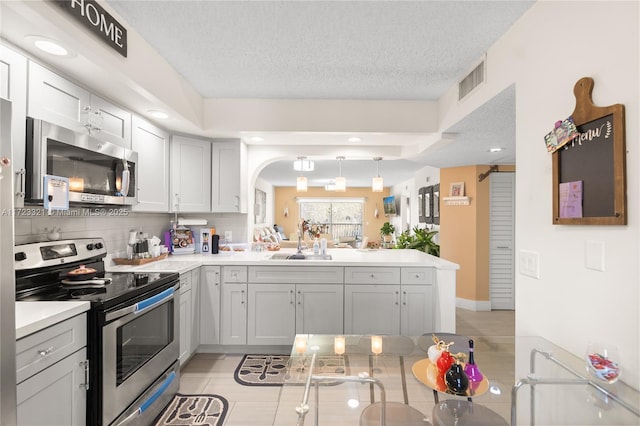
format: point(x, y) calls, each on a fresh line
point(99, 172)
point(7, 298)
point(133, 326)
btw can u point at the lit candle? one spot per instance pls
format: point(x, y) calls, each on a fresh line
point(301, 344)
point(338, 345)
point(376, 344)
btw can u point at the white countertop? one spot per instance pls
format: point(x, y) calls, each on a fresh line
point(35, 316)
point(340, 257)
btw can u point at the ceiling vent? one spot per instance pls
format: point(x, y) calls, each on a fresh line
point(474, 79)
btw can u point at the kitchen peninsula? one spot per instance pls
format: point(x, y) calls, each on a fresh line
point(257, 298)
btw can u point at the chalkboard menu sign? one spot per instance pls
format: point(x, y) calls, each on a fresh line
point(589, 177)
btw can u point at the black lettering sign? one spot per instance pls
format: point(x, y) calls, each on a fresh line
point(98, 21)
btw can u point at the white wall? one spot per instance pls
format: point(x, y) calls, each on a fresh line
point(545, 54)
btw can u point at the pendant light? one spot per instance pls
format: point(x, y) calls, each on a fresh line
point(377, 184)
point(340, 181)
point(301, 181)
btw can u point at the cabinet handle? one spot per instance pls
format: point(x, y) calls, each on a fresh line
point(404, 298)
point(242, 292)
point(291, 297)
point(177, 204)
point(20, 173)
point(45, 352)
point(85, 365)
point(373, 275)
point(299, 297)
point(237, 202)
point(397, 297)
point(417, 275)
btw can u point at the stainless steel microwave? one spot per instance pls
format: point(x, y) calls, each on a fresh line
point(99, 172)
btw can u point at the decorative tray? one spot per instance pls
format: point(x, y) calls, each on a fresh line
point(427, 373)
point(121, 261)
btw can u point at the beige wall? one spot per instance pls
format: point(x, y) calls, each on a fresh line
point(286, 197)
point(464, 230)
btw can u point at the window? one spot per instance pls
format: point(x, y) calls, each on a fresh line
point(339, 217)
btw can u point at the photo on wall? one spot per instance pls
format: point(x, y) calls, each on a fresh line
point(389, 204)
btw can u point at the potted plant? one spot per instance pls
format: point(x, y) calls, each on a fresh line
point(422, 239)
point(387, 231)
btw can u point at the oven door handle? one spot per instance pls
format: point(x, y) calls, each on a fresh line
point(143, 305)
point(146, 404)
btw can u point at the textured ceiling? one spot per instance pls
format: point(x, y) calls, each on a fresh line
point(382, 50)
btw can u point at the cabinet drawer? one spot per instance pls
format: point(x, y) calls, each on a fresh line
point(185, 282)
point(417, 275)
point(46, 347)
point(296, 274)
point(234, 274)
point(380, 275)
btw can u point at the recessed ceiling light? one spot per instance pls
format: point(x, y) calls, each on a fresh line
point(354, 139)
point(256, 139)
point(49, 46)
point(158, 114)
point(495, 149)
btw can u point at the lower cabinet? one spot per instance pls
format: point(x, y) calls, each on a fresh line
point(233, 324)
point(52, 375)
point(319, 309)
point(186, 307)
point(210, 305)
point(372, 309)
point(196, 294)
point(55, 396)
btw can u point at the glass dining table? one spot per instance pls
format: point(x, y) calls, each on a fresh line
point(343, 380)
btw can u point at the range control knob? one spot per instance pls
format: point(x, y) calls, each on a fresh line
point(99, 245)
point(20, 256)
point(90, 246)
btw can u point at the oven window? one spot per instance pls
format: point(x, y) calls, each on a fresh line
point(141, 339)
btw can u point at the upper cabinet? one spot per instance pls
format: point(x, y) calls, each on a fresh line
point(13, 86)
point(228, 176)
point(190, 176)
point(59, 101)
point(152, 145)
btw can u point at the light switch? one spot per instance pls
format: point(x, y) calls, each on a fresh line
point(594, 255)
point(529, 263)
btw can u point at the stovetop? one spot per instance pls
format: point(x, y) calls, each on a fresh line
point(120, 287)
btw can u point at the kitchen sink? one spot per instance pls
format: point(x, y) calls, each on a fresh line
point(301, 256)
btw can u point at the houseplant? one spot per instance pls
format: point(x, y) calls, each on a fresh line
point(387, 231)
point(422, 239)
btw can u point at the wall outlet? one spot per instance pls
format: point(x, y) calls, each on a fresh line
point(529, 262)
point(594, 255)
point(228, 236)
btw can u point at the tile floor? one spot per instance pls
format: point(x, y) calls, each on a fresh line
point(255, 406)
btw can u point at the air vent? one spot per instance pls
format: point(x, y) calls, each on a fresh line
point(471, 81)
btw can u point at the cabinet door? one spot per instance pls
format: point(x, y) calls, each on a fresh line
point(116, 122)
point(234, 314)
point(416, 309)
point(271, 314)
point(152, 145)
point(185, 326)
point(55, 99)
point(210, 306)
point(56, 395)
point(196, 292)
point(228, 177)
point(13, 86)
point(372, 309)
point(319, 309)
point(190, 174)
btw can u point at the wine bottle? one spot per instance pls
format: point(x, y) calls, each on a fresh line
point(471, 369)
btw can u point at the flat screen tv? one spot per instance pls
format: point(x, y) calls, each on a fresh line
point(389, 204)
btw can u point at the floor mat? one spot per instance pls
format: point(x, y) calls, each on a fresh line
point(273, 370)
point(205, 410)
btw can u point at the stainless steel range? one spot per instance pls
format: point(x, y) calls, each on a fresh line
point(133, 326)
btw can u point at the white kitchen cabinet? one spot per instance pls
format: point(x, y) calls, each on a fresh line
point(196, 292)
point(284, 301)
point(210, 305)
point(228, 176)
point(152, 186)
point(13, 86)
point(51, 374)
point(233, 321)
point(271, 316)
point(190, 175)
point(57, 100)
point(372, 309)
point(417, 310)
point(186, 306)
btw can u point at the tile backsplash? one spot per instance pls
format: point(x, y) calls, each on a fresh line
point(32, 224)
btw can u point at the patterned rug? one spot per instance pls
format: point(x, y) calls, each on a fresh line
point(205, 410)
point(273, 370)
